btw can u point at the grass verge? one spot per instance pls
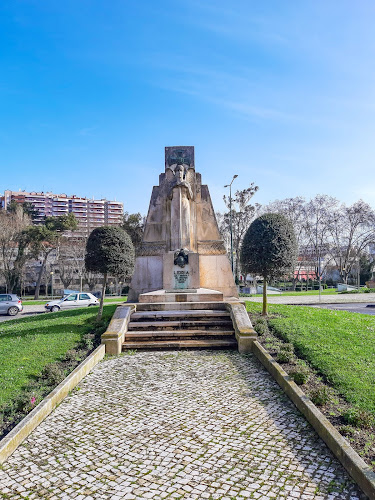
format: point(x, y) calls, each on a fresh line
point(37, 353)
point(331, 354)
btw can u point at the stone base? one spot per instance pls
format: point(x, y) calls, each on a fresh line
point(198, 295)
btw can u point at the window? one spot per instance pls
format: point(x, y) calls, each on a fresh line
point(3, 298)
point(84, 296)
point(72, 297)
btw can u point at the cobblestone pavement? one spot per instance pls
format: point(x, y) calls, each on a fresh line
point(314, 299)
point(187, 424)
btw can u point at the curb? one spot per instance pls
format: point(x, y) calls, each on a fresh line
point(362, 474)
point(45, 407)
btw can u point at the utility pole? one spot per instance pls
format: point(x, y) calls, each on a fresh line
point(230, 217)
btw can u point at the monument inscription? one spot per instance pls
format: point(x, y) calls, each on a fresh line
point(181, 279)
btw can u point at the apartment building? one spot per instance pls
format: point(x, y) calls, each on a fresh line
point(89, 213)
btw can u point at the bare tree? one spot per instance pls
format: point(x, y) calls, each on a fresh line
point(71, 260)
point(352, 229)
point(13, 245)
point(294, 209)
point(46, 238)
point(92, 279)
point(242, 215)
point(318, 212)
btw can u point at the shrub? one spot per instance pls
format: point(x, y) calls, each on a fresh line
point(288, 347)
point(261, 328)
point(284, 356)
point(347, 430)
point(53, 373)
point(72, 356)
point(320, 396)
point(88, 341)
point(358, 418)
point(300, 375)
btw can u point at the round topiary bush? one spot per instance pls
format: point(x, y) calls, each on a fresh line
point(269, 249)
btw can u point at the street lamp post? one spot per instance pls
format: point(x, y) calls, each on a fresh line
point(51, 273)
point(359, 274)
point(230, 217)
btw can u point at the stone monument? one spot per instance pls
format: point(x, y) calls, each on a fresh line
point(182, 250)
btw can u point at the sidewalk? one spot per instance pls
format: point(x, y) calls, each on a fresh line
point(314, 299)
point(187, 424)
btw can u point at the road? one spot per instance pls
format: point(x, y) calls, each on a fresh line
point(308, 300)
point(357, 308)
point(27, 311)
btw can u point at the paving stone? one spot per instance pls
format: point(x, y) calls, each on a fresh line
point(179, 424)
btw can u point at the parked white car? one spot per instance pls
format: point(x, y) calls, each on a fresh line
point(72, 301)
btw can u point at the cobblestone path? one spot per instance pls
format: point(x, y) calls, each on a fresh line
point(188, 424)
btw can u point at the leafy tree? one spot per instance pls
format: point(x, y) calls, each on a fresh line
point(46, 238)
point(134, 224)
point(366, 266)
point(27, 208)
point(269, 248)
point(109, 250)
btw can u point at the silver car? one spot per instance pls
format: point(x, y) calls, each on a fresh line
point(10, 304)
point(72, 301)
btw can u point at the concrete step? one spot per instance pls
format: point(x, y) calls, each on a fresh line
point(230, 343)
point(183, 324)
point(181, 306)
point(177, 333)
point(160, 315)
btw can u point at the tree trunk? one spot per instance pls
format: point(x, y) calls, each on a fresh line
point(264, 311)
point(100, 313)
point(41, 270)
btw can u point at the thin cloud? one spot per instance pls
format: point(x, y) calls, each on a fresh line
point(87, 131)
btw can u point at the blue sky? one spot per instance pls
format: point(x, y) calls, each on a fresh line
point(281, 93)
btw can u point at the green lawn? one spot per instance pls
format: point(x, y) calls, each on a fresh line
point(27, 345)
point(339, 344)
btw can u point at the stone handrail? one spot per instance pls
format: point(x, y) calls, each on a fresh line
point(244, 331)
point(114, 336)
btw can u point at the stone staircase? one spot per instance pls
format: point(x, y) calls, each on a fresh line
point(201, 327)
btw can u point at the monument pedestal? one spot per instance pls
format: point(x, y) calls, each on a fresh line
point(186, 295)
